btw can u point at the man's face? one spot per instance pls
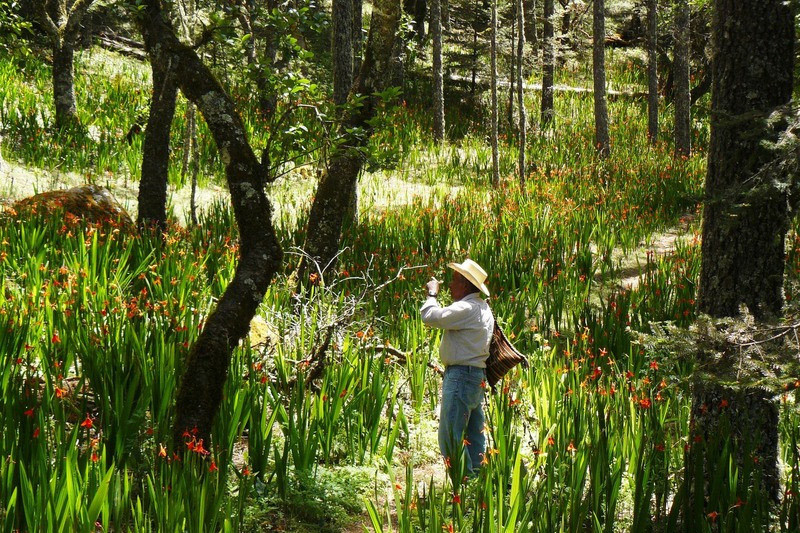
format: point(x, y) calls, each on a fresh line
point(457, 286)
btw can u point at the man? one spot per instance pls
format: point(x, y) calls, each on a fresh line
point(468, 325)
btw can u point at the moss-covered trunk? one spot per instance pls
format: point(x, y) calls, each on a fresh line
point(200, 392)
point(336, 187)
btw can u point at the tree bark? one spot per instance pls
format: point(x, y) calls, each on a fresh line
point(744, 228)
point(683, 97)
point(529, 12)
point(200, 392)
point(601, 140)
point(513, 70)
point(521, 91)
point(64, 85)
point(337, 184)
point(155, 152)
point(548, 64)
point(62, 24)
point(493, 52)
point(342, 48)
point(438, 74)
point(358, 30)
point(652, 70)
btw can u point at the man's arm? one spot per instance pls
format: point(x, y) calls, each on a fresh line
point(454, 316)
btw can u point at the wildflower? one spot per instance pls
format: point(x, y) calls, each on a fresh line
point(465, 442)
point(246, 471)
point(162, 451)
point(654, 365)
point(660, 447)
point(60, 393)
point(212, 467)
point(456, 498)
point(713, 516)
point(645, 403)
point(28, 413)
point(87, 423)
point(551, 441)
point(723, 404)
point(447, 462)
point(95, 457)
point(739, 503)
point(571, 448)
point(484, 459)
point(36, 433)
point(448, 528)
point(55, 339)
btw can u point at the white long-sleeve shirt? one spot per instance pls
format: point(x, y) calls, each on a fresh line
point(468, 325)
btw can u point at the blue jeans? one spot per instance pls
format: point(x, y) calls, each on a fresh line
point(461, 415)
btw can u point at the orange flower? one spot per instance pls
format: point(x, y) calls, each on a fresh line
point(713, 516)
point(87, 423)
point(654, 365)
point(95, 457)
point(723, 404)
point(484, 460)
point(465, 442)
point(212, 467)
point(571, 448)
point(162, 451)
point(56, 339)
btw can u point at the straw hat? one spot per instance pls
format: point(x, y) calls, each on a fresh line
point(473, 272)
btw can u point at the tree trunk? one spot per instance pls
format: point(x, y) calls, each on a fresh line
point(342, 48)
point(339, 181)
point(63, 84)
point(683, 98)
point(521, 91)
point(601, 141)
point(745, 221)
point(358, 30)
point(548, 64)
point(495, 154)
point(652, 71)
point(200, 392)
point(155, 152)
point(513, 70)
point(438, 74)
point(743, 228)
point(529, 12)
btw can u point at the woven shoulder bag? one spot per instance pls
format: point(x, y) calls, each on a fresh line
point(502, 356)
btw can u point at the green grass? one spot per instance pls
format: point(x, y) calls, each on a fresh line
point(95, 326)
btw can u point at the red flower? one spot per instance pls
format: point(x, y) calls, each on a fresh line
point(87, 423)
point(654, 365)
point(456, 498)
point(713, 516)
point(723, 404)
point(56, 339)
point(36, 433)
point(28, 413)
point(212, 467)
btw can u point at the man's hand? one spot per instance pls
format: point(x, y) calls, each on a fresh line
point(433, 287)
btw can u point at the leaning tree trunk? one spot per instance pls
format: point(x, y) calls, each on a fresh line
point(521, 91)
point(200, 392)
point(64, 84)
point(601, 141)
point(493, 75)
point(683, 95)
point(337, 185)
point(745, 221)
point(652, 71)
point(342, 48)
point(438, 74)
point(548, 64)
point(155, 152)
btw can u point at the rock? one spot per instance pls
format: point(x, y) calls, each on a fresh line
point(262, 333)
point(91, 203)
